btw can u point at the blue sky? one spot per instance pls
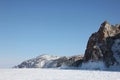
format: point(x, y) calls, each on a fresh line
point(29, 28)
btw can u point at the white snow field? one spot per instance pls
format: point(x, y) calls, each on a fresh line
point(56, 74)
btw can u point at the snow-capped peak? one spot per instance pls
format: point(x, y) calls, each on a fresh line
point(48, 57)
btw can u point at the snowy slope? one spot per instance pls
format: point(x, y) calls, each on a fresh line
point(55, 74)
point(38, 62)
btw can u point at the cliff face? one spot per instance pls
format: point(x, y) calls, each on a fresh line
point(104, 45)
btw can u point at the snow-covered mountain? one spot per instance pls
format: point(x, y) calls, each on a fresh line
point(48, 61)
point(38, 62)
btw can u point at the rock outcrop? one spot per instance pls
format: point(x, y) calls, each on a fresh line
point(104, 45)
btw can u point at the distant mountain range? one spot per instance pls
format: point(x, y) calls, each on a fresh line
point(102, 53)
point(48, 61)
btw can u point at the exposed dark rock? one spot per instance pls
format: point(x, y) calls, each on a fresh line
point(74, 61)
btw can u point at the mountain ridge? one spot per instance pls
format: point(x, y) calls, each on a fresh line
point(102, 53)
point(50, 61)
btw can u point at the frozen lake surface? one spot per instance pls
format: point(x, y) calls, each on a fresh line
point(56, 74)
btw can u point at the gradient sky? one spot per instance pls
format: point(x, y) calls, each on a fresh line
point(29, 28)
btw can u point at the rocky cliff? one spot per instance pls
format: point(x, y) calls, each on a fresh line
point(104, 45)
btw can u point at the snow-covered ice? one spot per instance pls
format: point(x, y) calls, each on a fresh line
point(56, 74)
point(96, 65)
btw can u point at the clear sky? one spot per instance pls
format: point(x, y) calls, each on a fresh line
point(29, 28)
